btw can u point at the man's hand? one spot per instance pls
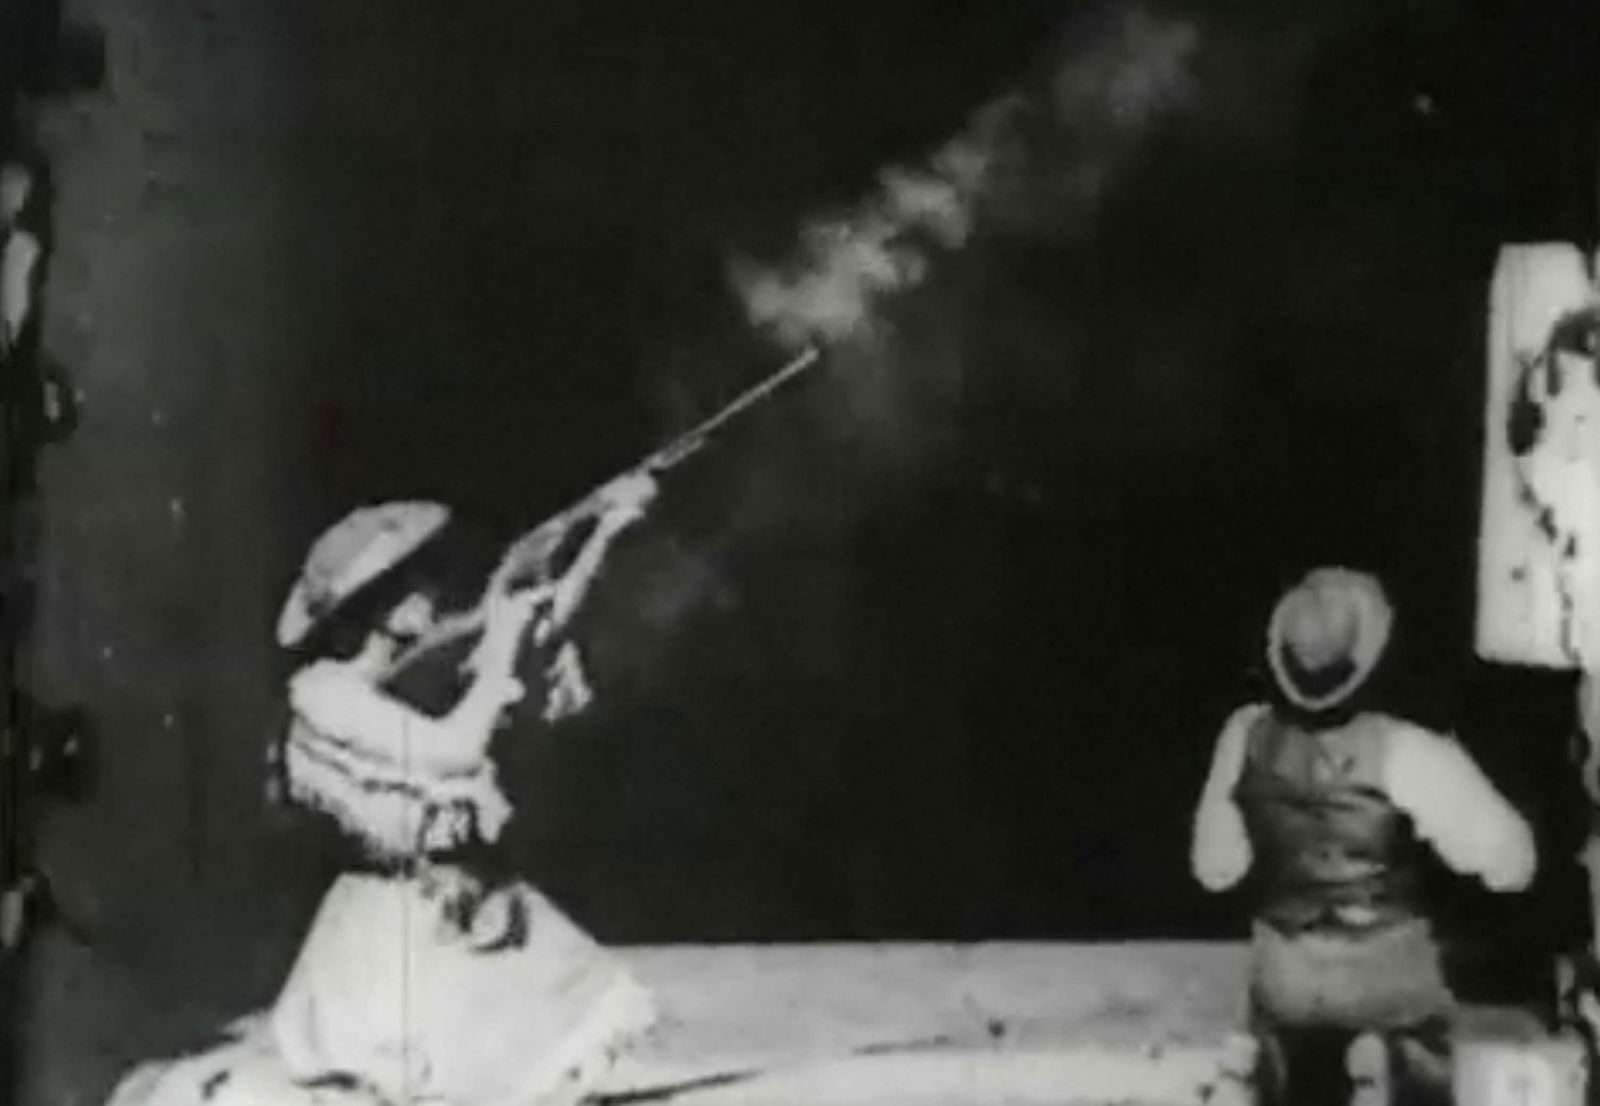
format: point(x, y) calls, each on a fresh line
point(1221, 855)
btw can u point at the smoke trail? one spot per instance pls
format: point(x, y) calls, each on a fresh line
point(1034, 156)
point(1037, 160)
point(1141, 67)
point(847, 261)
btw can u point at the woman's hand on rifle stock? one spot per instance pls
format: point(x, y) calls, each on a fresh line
point(619, 504)
point(614, 506)
point(507, 619)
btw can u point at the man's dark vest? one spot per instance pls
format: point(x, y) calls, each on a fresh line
point(1332, 851)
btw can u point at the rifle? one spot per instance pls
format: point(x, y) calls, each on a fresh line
point(533, 550)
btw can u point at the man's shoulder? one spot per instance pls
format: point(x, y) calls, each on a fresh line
point(1243, 721)
point(1237, 738)
point(1408, 754)
point(1396, 729)
point(1247, 715)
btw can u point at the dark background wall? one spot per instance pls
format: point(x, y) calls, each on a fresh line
point(937, 644)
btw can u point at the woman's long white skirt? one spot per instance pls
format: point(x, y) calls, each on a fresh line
point(393, 1001)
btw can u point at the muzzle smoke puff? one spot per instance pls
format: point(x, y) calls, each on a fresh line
point(1102, 95)
point(1141, 66)
point(847, 262)
point(1048, 153)
point(1037, 156)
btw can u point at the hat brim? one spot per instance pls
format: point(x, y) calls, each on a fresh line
point(295, 620)
point(310, 603)
point(1374, 622)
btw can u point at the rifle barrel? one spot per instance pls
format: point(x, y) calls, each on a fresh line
point(747, 399)
point(663, 459)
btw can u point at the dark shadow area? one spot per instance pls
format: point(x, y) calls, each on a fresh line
point(44, 751)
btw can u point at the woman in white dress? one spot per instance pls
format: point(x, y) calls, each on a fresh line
point(425, 978)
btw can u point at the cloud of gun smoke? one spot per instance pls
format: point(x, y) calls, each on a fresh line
point(847, 261)
point(1040, 155)
point(1036, 161)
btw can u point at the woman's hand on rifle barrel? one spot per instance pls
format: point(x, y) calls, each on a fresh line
point(625, 500)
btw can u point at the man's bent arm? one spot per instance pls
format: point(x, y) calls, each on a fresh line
point(1221, 854)
point(1457, 810)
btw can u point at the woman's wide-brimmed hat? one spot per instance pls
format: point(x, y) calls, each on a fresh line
point(1327, 635)
point(352, 554)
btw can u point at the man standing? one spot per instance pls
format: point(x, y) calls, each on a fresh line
point(1327, 807)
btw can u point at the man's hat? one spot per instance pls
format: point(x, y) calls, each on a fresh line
point(352, 554)
point(1326, 636)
